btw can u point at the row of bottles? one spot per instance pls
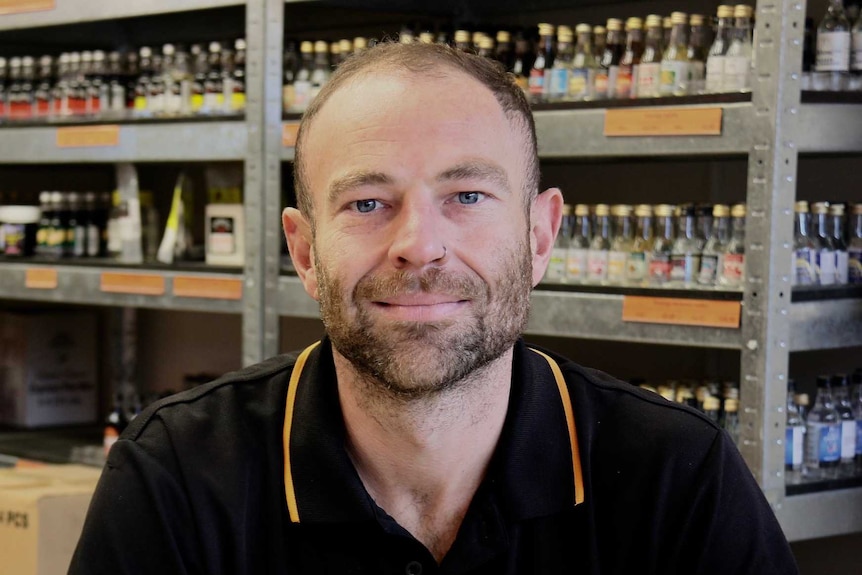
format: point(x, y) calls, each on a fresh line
point(825, 442)
point(826, 251)
point(173, 81)
point(663, 245)
point(835, 62)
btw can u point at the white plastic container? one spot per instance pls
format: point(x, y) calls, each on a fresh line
point(225, 234)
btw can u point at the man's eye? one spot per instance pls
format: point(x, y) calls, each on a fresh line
point(469, 197)
point(365, 206)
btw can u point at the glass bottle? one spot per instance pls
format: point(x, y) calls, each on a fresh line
point(559, 76)
point(576, 258)
point(667, 30)
point(626, 84)
point(660, 263)
point(347, 45)
point(322, 69)
point(824, 255)
point(737, 60)
point(237, 98)
point(621, 244)
point(115, 423)
point(543, 63)
point(836, 229)
point(290, 63)
point(170, 91)
point(731, 419)
point(600, 245)
point(841, 395)
point(228, 66)
point(522, 63)
point(156, 87)
point(131, 70)
point(76, 103)
point(145, 63)
point(486, 46)
point(822, 435)
point(649, 69)
point(674, 62)
point(713, 251)
point(600, 39)
point(732, 270)
point(97, 92)
point(794, 440)
point(47, 214)
point(556, 272)
point(804, 402)
point(14, 90)
point(720, 45)
point(833, 48)
point(582, 77)
point(302, 83)
point(804, 249)
point(116, 85)
point(76, 234)
point(4, 91)
point(43, 90)
point(462, 41)
point(856, 47)
point(213, 88)
point(696, 54)
point(857, 413)
point(712, 408)
point(685, 259)
point(854, 247)
point(93, 231)
point(636, 264)
point(59, 225)
point(476, 41)
point(609, 64)
point(503, 53)
point(200, 70)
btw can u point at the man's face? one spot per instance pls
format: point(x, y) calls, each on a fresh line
point(421, 255)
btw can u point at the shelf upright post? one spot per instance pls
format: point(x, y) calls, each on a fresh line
point(772, 167)
point(264, 31)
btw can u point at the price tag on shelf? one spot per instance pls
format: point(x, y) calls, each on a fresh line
point(288, 134)
point(211, 288)
point(88, 136)
point(682, 311)
point(661, 121)
point(19, 6)
point(40, 278)
point(134, 284)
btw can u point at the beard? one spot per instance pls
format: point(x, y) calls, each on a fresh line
point(412, 359)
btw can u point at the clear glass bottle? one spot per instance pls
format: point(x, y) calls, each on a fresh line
point(462, 41)
point(582, 77)
point(543, 63)
point(720, 45)
point(737, 60)
point(93, 231)
point(804, 403)
point(836, 228)
point(47, 214)
point(794, 441)
point(854, 247)
point(649, 69)
point(833, 49)
point(685, 259)
point(302, 83)
point(97, 91)
point(558, 87)
point(731, 419)
point(732, 270)
point(857, 413)
point(322, 69)
point(609, 65)
point(713, 251)
point(576, 258)
point(621, 244)
point(674, 62)
point(824, 255)
point(804, 249)
point(290, 65)
point(660, 263)
point(841, 396)
point(556, 272)
point(156, 87)
point(712, 408)
point(600, 39)
point(76, 233)
point(626, 85)
point(522, 63)
point(696, 55)
point(4, 88)
point(822, 435)
point(856, 47)
point(503, 52)
point(600, 245)
point(145, 67)
point(637, 266)
point(42, 91)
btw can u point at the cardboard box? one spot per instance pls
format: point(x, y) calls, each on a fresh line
point(48, 372)
point(42, 512)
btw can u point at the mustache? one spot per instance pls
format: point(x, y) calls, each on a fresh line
point(435, 280)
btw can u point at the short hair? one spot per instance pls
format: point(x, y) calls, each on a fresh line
point(424, 58)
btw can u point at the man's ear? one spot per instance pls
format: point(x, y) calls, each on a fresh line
point(545, 217)
point(297, 231)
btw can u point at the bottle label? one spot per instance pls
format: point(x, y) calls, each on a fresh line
point(736, 73)
point(649, 80)
point(79, 241)
point(601, 89)
point(624, 84)
point(556, 271)
point(804, 270)
point(854, 265)
point(674, 78)
point(825, 262)
point(859, 438)
point(617, 266)
point(613, 75)
point(597, 264)
point(841, 268)
point(684, 267)
point(793, 446)
point(581, 83)
point(636, 269)
point(828, 442)
point(856, 53)
point(660, 268)
point(559, 83)
point(708, 269)
point(222, 236)
point(301, 94)
point(833, 51)
point(537, 82)
point(93, 240)
point(733, 268)
point(576, 264)
point(848, 439)
point(695, 71)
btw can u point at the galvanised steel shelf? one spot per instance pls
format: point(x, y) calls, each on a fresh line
point(830, 128)
point(187, 141)
point(825, 324)
point(130, 286)
point(36, 13)
point(823, 514)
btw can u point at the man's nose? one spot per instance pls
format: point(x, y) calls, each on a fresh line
point(417, 235)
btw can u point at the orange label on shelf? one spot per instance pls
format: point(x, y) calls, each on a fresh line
point(136, 284)
point(88, 136)
point(40, 278)
point(18, 6)
point(682, 311)
point(212, 288)
point(661, 121)
point(288, 134)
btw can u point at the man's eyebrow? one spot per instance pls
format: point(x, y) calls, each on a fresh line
point(355, 180)
point(477, 170)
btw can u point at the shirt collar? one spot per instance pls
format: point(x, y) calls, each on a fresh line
point(534, 470)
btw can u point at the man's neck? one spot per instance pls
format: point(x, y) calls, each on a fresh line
point(423, 459)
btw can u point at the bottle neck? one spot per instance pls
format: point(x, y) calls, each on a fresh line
point(742, 30)
point(824, 397)
point(801, 224)
point(721, 228)
point(677, 35)
point(665, 226)
point(821, 228)
point(634, 39)
point(644, 227)
point(604, 226)
point(689, 225)
point(583, 227)
point(654, 38)
point(739, 228)
point(585, 45)
point(624, 227)
point(857, 228)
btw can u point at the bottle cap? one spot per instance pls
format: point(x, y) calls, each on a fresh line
point(567, 209)
point(406, 37)
point(582, 210)
point(801, 207)
point(335, 48)
point(487, 43)
point(546, 29)
point(802, 399)
point(820, 208)
point(621, 210)
point(731, 405)
point(634, 24)
point(667, 22)
point(742, 11)
point(679, 18)
point(615, 24)
point(426, 38)
point(603, 210)
point(359, 43)
point(720, 211)
point(27, 61)
point(167, 50)
point(583, 28)
point(477, 37)
point(306, 47)
point(73, 196)
point(696, 20)
point(56, 197)
point(44, 197)
point(643, 210)
point(857, 209)
point(725, 11)
point(836, 210)
point(653, 21)
point(599, 30)
point(503, 36)
point(239, 44)
point(711, 403)
point(563, 37)
point(462, 36)
point(664, 210)
point(321, 47)
point(738, 211)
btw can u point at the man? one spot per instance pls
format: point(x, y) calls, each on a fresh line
point(422, 435)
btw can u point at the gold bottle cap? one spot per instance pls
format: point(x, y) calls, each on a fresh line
point(711, 403)
point(643, 210)
point(603, 210)
point(857, 209)
point(720, 210)
point(742, 11)
point(666, 22)
point(801, 207)
point(426, 38)
point(567, 209)
point(679, 18)
point(582, 210)
point(731, 405)
point(406, 37)
point(820, 208)
point(503, 36)
point(564, 30)
point(725, 11)
point(738, 211)
point(359, 43)
point(666, 392)
point(335, 48)
point(346, 46)
point(583, 28)
point(615, 24)
point(653, 21)
point(546, 29)
point(802, 399)
point(634, 24)
point(664, 210)
point(621, 210)
point(306, 47)
point(696, 20)
point(321, 47)
point(462, 36)
point(599, 30)
point(486, 43)
point(836, 210)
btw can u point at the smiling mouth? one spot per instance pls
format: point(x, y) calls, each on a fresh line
point(419, 309)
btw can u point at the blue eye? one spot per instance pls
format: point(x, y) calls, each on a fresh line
point(365, 206)
point(469, 197)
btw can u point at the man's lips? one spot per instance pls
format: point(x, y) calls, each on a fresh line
point(420, 307)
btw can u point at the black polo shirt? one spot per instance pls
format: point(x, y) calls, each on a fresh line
point(224, 480)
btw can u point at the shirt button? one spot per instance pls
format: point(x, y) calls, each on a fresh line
point(413, 568)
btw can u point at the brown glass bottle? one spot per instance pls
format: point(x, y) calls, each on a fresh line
point(626, 85)
point(609, 65)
